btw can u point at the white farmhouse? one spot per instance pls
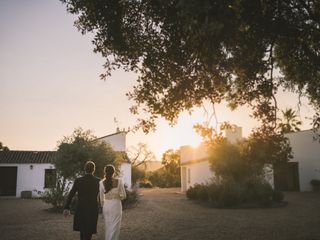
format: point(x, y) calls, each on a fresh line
point(118, 143)
point(305, 165)
point(25, 171)
point(194, 162)
point(33, 170)
point(292, 176)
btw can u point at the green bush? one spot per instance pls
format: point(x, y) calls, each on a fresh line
point(164, 179)
point(240, 170)
point(131, 199)
point(57, 195)
point(145, 184)
point(230, 193)
point(198, 192)
point(191, 193)
point(137, 174)
point(257, 190)
point(226, 193)
point(277, 196)
point(202, 192)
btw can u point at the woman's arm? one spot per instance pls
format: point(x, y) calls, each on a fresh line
point(101, 193)
point(122, 190)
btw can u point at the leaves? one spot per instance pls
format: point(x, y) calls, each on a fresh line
point(171, 162)
point(289, 122)
point(248, 157)
point(140, 154)
point(3, 148)
point(186, 53)
point(80, 147)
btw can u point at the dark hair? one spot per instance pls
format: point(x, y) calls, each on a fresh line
point(89, 167)
point(108, 173)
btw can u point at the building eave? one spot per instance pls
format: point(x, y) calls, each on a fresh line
point(112, 134)
point(194, 161)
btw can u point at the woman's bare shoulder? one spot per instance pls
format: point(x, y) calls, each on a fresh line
point(115, 182)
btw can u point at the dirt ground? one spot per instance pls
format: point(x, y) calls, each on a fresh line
point(166, 214)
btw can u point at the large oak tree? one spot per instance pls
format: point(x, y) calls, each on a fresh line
point(190, 51)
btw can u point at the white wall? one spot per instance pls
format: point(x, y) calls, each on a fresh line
point(117, 141)
point(183, 178)
point(29, 179)
point(125, 174)
point(198, 173)
point(188, 153)
point(306, 152)
point(33, 179)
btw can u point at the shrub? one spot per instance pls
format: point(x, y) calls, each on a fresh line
point(258, 191)
point(213, 192)
point(240, 170)
point(277, 196)
point(202, 192)
point(252, 192)
point(191, 193)
point(225, 194)
point(137, 174)
point(163, 179)
point(198, 192)
point(145, 184)
point(131, 199)
point(169, 174)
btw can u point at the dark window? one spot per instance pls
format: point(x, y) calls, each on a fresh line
point(50, 178)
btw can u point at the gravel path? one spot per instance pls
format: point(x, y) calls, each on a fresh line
point(165, 214)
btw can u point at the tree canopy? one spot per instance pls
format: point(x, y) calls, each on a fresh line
point(190, 51)
point(73, 151)
point(248, 157)
point(289, 122)
point(81, 146)
point(169, 174)
point(171, 162)
point(3, 147)
point(139, 156)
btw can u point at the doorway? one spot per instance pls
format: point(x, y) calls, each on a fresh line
point(8, 181)
point(183, 179)
point(286, 176)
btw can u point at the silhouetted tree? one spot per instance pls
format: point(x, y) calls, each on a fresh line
point(73, 151)
point(139, 156)
point(289, 122)
point(169, 174)
point(3, 148)
point(187, 51)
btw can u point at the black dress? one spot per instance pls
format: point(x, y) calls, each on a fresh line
point(86, 214)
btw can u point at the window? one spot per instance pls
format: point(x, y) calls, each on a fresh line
point(189, 175)
point(50, 178)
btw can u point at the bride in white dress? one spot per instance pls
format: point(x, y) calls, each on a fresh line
point(111, 193)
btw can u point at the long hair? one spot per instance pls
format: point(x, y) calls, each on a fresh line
point(109, 170)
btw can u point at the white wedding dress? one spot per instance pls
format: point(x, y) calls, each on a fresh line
point(112, 209)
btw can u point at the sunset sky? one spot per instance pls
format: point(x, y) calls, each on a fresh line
point(49, 85)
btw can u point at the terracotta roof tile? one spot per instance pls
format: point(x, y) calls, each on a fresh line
point(27, 156)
